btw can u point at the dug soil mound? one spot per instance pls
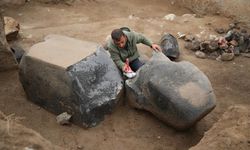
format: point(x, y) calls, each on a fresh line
point(16, 137)
point(230, 132)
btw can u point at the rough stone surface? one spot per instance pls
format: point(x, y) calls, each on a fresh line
point(11, 28)
point(7, 60)
point(177, 93)
point(170, 47)
point(230, 132)
point(63, 74)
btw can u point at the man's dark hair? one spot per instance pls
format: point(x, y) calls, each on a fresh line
point(116, 34)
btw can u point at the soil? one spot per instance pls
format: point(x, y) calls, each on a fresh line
point(15, 136)
point(230, 132)
point(126, 128)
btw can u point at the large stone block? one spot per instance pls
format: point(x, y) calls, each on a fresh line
point(177, 93)
point(63, 74)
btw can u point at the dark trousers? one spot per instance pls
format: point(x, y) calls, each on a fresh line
point(135, 64)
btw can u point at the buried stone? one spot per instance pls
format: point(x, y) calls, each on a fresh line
point(177, 93)
point(63, 74)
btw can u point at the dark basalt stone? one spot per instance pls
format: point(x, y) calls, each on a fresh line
point(177, 93)
point(170, 47)
point(63, 75)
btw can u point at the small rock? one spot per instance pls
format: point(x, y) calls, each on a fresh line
point(189, 38)
point(243, 31)
point(234, 43)
point(213, 46)
point(213, 37)
point(204, 45)
point(218, 58)
point(231, 49)
point(200, 54)
point(63, 118)
point(28, 148)
point(195, 45)
point(213, 55)
point(170, 17)
point(11, 28)
point(220, 30)
point(188, 45)
point(158, 137)
point(227, 56)
point(229, 35)
point(80, 147)
point(222, 43)
point(232, 25)
point(181, 35)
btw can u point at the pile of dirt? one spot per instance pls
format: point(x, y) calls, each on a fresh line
point(15, 136)
point(230, 132)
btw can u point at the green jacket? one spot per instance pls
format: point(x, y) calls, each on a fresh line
point(119, 55)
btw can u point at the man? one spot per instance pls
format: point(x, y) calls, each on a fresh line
point(123, 50)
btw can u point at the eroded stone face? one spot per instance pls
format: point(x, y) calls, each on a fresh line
point(177, 93)
point(97, 85)
point(63, 74)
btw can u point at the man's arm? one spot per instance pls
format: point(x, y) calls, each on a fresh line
point(142, 39)
point(117, 59)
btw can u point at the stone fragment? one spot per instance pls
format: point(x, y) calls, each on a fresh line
point(11, 28)
point(214, 55)
point(63, 118)
point(189, 38)
point(200, 54)
point(223, 43)
point(233, 42)
point(227, 56)
point(213, 46)
point(170, 17)
point(193, 45)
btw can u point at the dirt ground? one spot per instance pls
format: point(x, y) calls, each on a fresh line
point(126, 128)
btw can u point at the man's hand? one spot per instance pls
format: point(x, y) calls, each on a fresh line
point(126, 67)
point(127, 71)
point(156, 47)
